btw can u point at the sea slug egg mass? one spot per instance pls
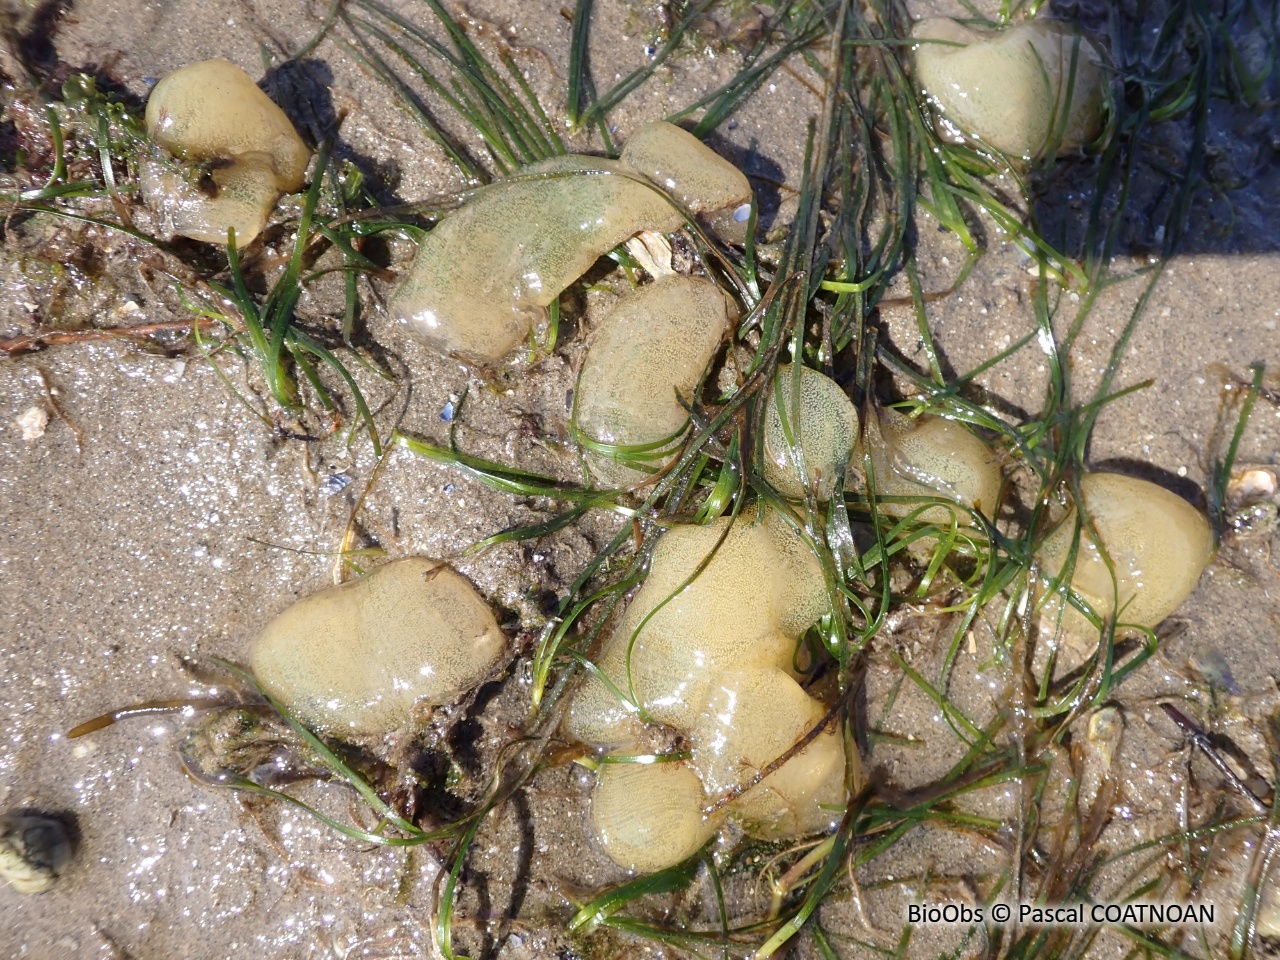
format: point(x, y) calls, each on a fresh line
point(357, 658)
point(485, 275)
point(930, 457)
point(814, 416)
point(648, 816)
point(212, 112)
point(644, 357)
point(716, 662)
point(699, 179)
point(1158, 544)
point(1021, 90)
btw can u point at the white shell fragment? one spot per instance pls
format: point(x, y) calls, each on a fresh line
point(1252, 485)
point(212, 113)
point(1269, 909)
point(34, 850)
point(32, 423)
point(1104, 733)
point(485, 275)
point(357, 658)
point(1027, 88)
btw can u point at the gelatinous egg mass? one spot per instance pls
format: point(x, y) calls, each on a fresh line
point(356, 658)
point(807, 413)
point(931, 457)
point(211, 113)
point(649, 815)
point(677, 635)
point(698, 178)
point(1157, 542)
point(699, 653)
point(485, 275)
point(643, 358)
point(752, 717)
point(1021, 90)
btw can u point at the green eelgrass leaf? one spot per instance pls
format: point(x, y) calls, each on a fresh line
point(603, 907)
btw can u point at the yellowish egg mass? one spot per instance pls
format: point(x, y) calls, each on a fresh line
point(1157, 543)
point(699, 651)
point(212, 113)
point(930, 458)
point(1022, 90)
point(483, 278)
point(357, 658)
point(809, 414)
point(646, 356)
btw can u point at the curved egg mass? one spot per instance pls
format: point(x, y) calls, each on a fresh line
point(698, 653)
point(357, 658)
point(680, 629)
point(213, 111)
point(753, 717)
point(699, 179)
point(645, 356)
point(485, 275)
point(1020, 90)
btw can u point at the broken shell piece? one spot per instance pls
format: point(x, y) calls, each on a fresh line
point(32, 423)
point(644, 358)
point(1023, 90)
point(212, 113)
point(34, 850)
point(1269, 909)
point(1252, 485)
point(1252, 506)
point(822, 425)
point(1158, 545)
point(653, 252)
point(355, 659)
point(483, 278)
point(649, 815)
point(1104, 733)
